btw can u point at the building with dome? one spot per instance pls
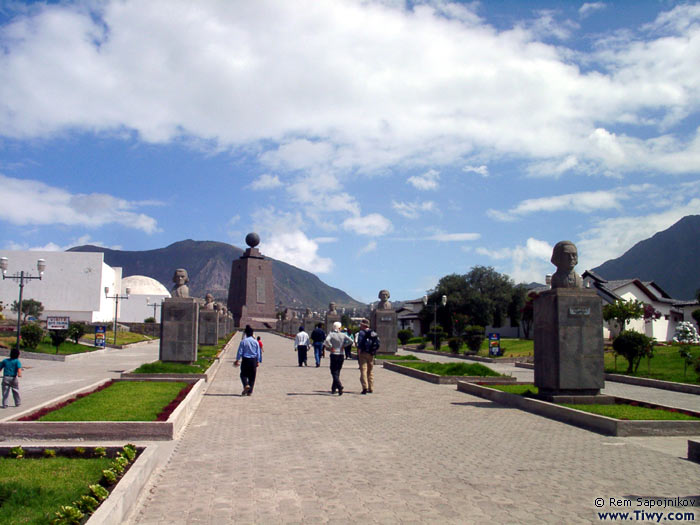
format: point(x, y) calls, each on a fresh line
point(145, 298)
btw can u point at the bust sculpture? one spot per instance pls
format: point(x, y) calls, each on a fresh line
point(331, 308)
point(308, 313)
point(565, 257)
point(384, 303)
point(180, 279)
point(209, 303)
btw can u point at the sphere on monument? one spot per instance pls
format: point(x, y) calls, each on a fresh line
point(252, 239)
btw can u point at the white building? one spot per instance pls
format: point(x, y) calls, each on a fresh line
point(145, 298)
point(73, 284)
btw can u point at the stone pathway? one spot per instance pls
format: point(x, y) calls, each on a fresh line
point(412, 452)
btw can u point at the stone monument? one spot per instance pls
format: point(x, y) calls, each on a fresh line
point(332, 316)
point(179, 323)
point(383, 321)
point(568, 333)
point(209, 321)
point(251, 298)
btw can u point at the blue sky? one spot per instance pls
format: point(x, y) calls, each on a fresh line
point(377, 144)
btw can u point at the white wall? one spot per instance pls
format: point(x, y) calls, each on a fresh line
point(72, 285)
point(134, 310)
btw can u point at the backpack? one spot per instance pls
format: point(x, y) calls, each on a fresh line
point(371, 342)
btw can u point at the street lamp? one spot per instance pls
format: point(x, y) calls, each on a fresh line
point(443, 302)
point(116, 298)
point(21, 277)
point(154, 305)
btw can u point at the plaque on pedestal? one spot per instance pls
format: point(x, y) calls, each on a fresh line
point(208, 327)
point(179, 330)
point(568, 342)
point(330, 319)
point(384, 323)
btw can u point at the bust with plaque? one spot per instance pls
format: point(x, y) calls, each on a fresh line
point(383, 321)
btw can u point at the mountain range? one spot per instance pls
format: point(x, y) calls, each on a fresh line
point(208, 264)
point(670, 258)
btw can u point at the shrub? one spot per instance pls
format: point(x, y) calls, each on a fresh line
point(633, 346)
point(416, 340)
point(435, 336)
point(32, 334)
point(49, 453)
point(87, 504)
point(404, 336)
point(421, 346)
point(99, 492)
point(100, 452)
point(68, 514)
point(454, 343)
point(17, 452)
point(76, 331)
point(474, 336)
point(58, 337)
point(109, 477)
point(149, 320)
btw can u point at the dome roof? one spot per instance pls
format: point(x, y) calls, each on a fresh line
point(142, 285)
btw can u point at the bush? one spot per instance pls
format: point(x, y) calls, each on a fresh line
point(404, 336)
point(474, 336)
point(58, 337)
point(454, 343)
point(633, 346)
point(149, 320)
point(32, 334)
point(435, 336)
point(416, 340)
point(76, 331)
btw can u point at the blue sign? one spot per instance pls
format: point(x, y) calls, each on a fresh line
point(495, 345)
point(100, 336)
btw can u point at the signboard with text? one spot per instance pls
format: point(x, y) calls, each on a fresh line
point(57, 323)
point(100, 333)
point(495, 344)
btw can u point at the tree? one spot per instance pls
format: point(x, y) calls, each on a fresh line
point(633, 346)
point(76, 331)
point(404, 336)
point(29, 307)
point(58, 337)
point(622, 312)
point(516, 305)
point(527, 313)
point(31, 335)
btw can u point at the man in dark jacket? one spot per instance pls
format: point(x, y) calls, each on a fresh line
point(318, 336)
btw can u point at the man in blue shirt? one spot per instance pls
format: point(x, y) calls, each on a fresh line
point(249, 357)
point(12, 369)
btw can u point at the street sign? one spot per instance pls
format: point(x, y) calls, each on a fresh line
point(495, 344)
point(57, 323)
point(100, 333)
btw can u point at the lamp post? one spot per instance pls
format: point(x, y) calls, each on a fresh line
point(21, 277)
point(116, 298)
point(443, 302)
point(154, 305)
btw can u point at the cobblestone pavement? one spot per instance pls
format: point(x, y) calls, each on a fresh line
point(412, 452)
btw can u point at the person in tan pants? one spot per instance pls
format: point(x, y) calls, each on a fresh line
point(367, 345)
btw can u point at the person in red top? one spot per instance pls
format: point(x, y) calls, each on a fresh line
point(260, 343)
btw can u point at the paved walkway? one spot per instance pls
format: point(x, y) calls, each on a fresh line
point(412, 452)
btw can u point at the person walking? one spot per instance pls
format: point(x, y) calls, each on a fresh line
point(301, 345)
point(11, 371)
point(261, 344)
point(318, 336)
point(367, 346)
point(335, 342)
point(348, 345)
point(249, 356)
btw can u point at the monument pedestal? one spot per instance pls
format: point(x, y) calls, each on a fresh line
point(251, 299)
point(330, 319)
point(384, 323)
point(179, 326)
point(208, 327)
point(568, 343)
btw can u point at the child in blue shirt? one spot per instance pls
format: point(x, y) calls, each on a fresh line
point(12, 370)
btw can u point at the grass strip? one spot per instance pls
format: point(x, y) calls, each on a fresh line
point(397, 358)
point(454, 369)
point(31, 490)
point(634, 413)
point(520, 389)
point(121, 401)
point(205, 357)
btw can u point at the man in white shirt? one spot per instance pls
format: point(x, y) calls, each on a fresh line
point(301, 345)
point(335, 342)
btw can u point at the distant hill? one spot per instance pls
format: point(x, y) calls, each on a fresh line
point(208, 264)
point(671, 258)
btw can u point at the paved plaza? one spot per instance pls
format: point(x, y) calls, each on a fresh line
point(412, 452)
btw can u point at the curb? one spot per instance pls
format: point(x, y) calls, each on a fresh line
point(443, 380)
point(70, 357)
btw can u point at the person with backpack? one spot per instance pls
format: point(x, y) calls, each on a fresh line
point(335, 342)
point(318, 336)
point(367, 346)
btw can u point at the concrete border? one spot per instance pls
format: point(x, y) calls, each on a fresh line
point(684, 388)
point(694, 451)
point(70, 357)
point(585, 420)
point(10, 428)
point(442, 380)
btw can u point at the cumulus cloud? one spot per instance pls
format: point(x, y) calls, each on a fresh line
point(364, 86)
point(373, 225)
point(412, 210)
point(266, 182)
point(480, 170)
point(524, 263)
point(589, 8)
point(31, 202)
point(453, 237)
point(426, 181)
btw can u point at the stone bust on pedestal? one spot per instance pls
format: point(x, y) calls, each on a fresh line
point(384, 303)
point(180, 278)
point(565, 258)
point(209, 303)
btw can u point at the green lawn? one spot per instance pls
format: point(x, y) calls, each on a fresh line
point(205, 357)
point(633, 412)
point(32, 490)
point(397, 358)
point(121, 401)
point(454, 369)
point(520, 389)
point(666, 365)
point(511, 347)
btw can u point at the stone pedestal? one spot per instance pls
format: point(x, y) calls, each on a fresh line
point(179, 330)
point(330, 319)
point(384, 323)
point(568, 343)
point(208, 327)
point(251, 299)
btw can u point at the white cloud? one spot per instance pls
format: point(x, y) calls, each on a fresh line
point(53, 247)
point(453, 237)
point(266, 182)
point(482, 170)
point(374, 225)
point(412, 210)
point(590, 7)
point(528, 263)
point(369, 247)
point(31, 202)
point(427, 181)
